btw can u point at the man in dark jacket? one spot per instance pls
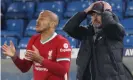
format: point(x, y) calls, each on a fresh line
point(101, 51)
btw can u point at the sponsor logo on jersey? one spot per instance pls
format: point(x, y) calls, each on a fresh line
point(37, 64)
point(65, 48)
point(41, 69)
point(50, 54)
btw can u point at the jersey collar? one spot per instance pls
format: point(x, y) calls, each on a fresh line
point(52, 37)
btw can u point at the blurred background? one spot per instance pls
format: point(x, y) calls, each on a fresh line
point(18, 20)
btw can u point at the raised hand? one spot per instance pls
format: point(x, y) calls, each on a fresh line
point(9, 50)
point(107, 6)
point(89, 8)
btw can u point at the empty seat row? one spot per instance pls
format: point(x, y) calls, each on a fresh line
point(13, 28)
point(127, 23)
point(22, 43)
point(129, 9)
point(128, 41)
point(19, 28)
point(20, 10)
point(30, 10)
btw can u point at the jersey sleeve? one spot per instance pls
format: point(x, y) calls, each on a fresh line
point(64, 51)
point(24, 64)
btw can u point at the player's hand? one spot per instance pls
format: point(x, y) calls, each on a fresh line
point(34, 55)
point(89, 8)
point(9, 50)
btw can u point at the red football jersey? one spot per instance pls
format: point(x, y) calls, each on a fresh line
point(56, 52)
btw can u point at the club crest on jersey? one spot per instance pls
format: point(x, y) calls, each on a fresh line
point(65, 45)
point(50, 54)
point(65, 48)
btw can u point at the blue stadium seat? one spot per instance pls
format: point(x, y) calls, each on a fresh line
point(61, 24)
point(31, 30)
point(117, 5)
point(127, 23)
point(20, 10)
point(82, 0)
point(5, 33)
point(130, 0)
point(73, 42)
point(32, 25)
point(56, 6)
point(128, 41)
point(7, 41)
point(3, 7)
point(15, 10)
point(26, 0)
point(119, 14)
point(14, 27)
point(23, 43)
point(3, 11)
point(61, 32)
point(30, 9)
point(129, 10)
point(30, 33)
point(106, 0)
point(76, 6)
point(8, 2)
point(17, 25)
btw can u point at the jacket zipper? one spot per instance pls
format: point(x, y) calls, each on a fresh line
point(90, 69)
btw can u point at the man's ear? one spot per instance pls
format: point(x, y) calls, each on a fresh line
point(52, 24)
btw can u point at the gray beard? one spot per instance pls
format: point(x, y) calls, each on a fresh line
point(97, 28)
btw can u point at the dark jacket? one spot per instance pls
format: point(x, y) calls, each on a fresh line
point(100, 59)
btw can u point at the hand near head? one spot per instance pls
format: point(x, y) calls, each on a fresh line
point(9, 50)
point(106, 6)
point(89, 8)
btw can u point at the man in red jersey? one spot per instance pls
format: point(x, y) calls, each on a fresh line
point(48, 52)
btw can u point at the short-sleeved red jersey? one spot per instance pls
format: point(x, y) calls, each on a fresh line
point(56, 52)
